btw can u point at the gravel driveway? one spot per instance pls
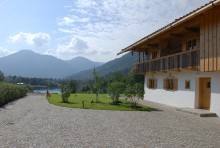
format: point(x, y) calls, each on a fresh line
point(32, 122)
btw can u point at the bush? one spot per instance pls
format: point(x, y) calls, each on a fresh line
point(135, 92)
point(65, 93)
point(11, 92)
point(114, 90)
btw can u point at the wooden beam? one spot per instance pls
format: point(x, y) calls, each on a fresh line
point(210, 42)
point(202, 43)
point(218, 40)
point(193, 30)
point(176, 35)
point(214, 42)
point(206, 42)
point(176, 70)
point(193, 68)
point(153, 45)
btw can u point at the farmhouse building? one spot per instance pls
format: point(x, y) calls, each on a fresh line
point(181, 61)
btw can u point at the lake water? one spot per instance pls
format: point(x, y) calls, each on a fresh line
point(44, 90)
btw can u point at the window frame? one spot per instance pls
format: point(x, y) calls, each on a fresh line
point(152, 83)
point(170, 84)
point(189, 84)
point(154, 54)
point(191, 44)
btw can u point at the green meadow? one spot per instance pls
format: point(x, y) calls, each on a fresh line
point(76, 101)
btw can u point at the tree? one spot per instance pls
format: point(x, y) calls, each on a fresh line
point(65, 93)
point(86, 89)
point(1, 76)
point(96, 84)
point(72, 85)
point(114, 90)
point(132, 78)
point(118, 77)
point(139, 93)
point(135, 92)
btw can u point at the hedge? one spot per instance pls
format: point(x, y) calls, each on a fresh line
point(11, 92)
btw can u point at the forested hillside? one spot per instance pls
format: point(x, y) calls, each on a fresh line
point(122, 64)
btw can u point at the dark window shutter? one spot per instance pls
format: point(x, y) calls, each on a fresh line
point(155, 83)
point(148, 83)
point(165, 84)
point(175, 83)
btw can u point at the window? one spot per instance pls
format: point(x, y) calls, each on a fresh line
point(170, 84)
point(208, 85)
point(191, 44)
point(154, 54)
point(194, 44)
point(187, 84)
point(152, 83)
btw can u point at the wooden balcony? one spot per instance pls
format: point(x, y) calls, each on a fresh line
point(175, 62)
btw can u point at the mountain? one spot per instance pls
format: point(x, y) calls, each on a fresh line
point(83, 63)
point(27, 63)
point(122, 64)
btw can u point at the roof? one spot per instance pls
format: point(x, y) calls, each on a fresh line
point(178, 21)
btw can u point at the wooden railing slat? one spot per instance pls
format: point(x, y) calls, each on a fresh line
point(176, 61)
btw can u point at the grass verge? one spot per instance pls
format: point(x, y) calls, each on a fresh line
point(75, 101)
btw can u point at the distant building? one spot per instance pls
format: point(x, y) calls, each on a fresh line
point(20, 83)
point(181, 61)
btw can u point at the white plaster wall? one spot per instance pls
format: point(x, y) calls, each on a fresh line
point(184, 97)
point(181, 98)
point(215, 95)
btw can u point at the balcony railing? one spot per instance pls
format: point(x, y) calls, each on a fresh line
point(182, 60)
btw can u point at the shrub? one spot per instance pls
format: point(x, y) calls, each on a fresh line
point(114, 90)
point(135, 93)
point(65, 93)
point(10, 92)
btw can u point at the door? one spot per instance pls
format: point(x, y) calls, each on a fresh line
point(204, 93)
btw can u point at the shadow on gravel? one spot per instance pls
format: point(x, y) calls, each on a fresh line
point(7, 105)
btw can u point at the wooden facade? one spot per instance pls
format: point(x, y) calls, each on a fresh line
point(210, 40)
point(181, 61)
point(192, 42)
point(174, 50)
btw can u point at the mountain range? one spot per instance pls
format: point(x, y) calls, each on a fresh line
point(27, 63)
point(122, 64)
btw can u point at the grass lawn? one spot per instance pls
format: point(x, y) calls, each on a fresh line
point(76, 102)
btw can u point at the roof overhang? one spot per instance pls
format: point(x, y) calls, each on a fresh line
point(176, 23)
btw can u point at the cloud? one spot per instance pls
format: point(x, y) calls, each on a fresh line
point(35, 39)
point(75, 47)
point(69, 21)
point(105, 52)
point(4, 52)
point(65, 21)
point(112, 25)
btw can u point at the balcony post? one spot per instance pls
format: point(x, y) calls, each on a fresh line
point(139, 56)
point(181, 61)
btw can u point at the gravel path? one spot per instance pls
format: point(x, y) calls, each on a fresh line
point(32, 122)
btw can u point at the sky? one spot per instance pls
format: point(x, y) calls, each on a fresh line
point(95, 29)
